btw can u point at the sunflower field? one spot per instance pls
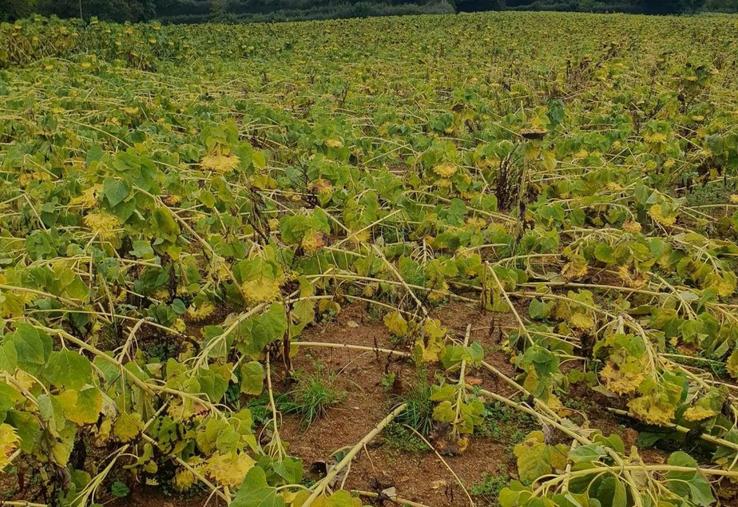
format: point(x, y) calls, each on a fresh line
point(500, 216)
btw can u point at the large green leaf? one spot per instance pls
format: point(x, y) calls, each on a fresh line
point(68, 369)
point(256, 492)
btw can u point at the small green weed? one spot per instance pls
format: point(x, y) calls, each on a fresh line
point(399, 437)
point(505, 424)
point(489, 488)
point(388, 380)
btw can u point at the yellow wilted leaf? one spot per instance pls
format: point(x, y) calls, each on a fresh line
point(81, 407)
point(9, 441)
point(88, 199)
point(127, 426)
point(581, 154)
point(581, 320)
point(61, 450)
point(445, 170)
point(183, 480)
point(103, 224)
point(698, 413)
point(732, 364)
point(621, 381)
point(431, 344)
point(201, 311)
point(659, 399)
point(576, 268)
point(229, 469)
point(632, 227)
point(261, 290)
point(554, 403)
point(651, 410)
point(662, 215)
point(219, 163)
point(655, 138)
point(396, 323)
point(725, 284)
point(312, 241)
point(102, 434)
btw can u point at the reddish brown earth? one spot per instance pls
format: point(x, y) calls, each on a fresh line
point(420, 477)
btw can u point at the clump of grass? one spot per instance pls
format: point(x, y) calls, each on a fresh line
point(419, 411)
point(312, 395)
point(489, 488)
point(401, 438)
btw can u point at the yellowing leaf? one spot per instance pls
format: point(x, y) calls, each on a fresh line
point(658, 403)
point(724, 283)
point(183, 480)
point(622, 380)
point(219, 163)
point(201, 311)
point(445, 170)
point(261, 281)
point(81, 407)
point(9, 441)
point(662, 214)
point(581, 320)
point(105, 225)
point(732, 364)
point(312, 241)
point(127, 426)
point(430, 345)
point(444, 412)
point(632, 227)
point(61, 449)
point(576, 268)
point(396, 324)
point(230, 468)
point(651, 411)
point(88, 199)
point(655, 138)
point(698, 413)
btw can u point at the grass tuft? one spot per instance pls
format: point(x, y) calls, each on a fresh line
point(313, 394)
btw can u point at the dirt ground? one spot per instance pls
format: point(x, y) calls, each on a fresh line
point(417, 476)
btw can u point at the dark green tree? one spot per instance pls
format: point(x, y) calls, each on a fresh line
point(13, 9)
point(479, 5)
point(670, 6)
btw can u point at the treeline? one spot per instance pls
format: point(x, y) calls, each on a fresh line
point(196, 11)
point(633, 6)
